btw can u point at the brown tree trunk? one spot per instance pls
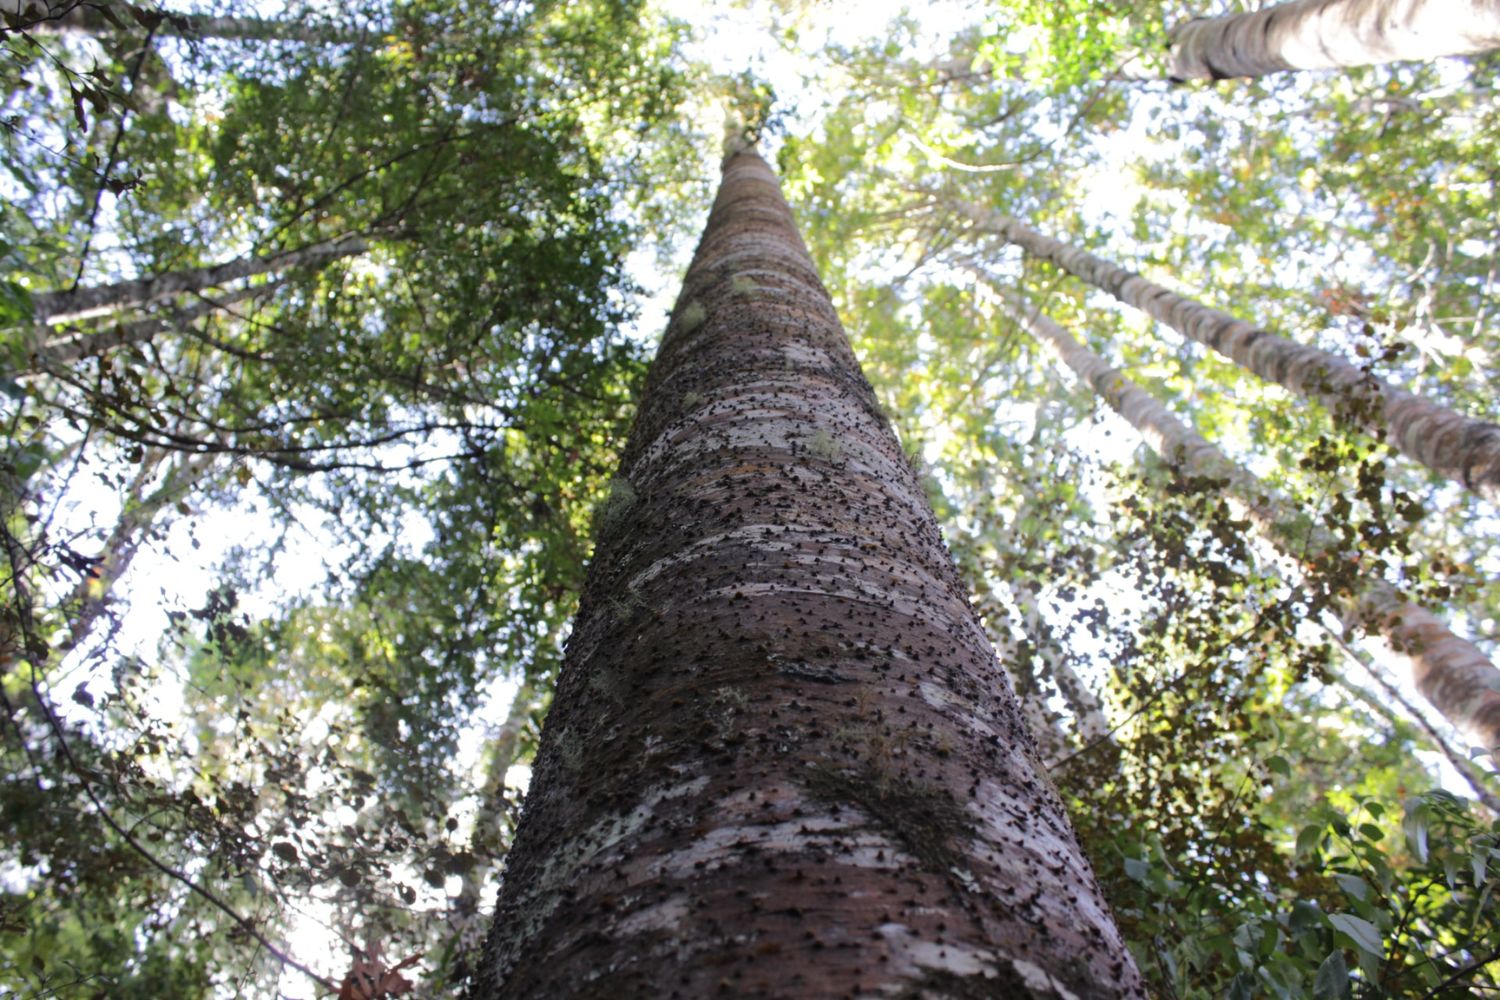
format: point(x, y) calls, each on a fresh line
point(1330, 34)
point(97, 300)
point(782, 760)
point(1462, 449)
point(1451, 673)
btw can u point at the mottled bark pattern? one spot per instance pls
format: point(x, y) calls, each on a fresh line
point(782, 760)
point(82, 303)
point(1450, 671)
point(1329, 34)
point(1464, 450)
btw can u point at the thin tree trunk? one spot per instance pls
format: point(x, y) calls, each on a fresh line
point(1450, 672)
point(490, 816)
point(97, 300)
point(74, 345)
point(782, 760)
point(56, 17)
point(1021, 665)
point(1479, 781)
point(1080, 699)
point(1464, 450)
point(1330, 34)
point(90, 597)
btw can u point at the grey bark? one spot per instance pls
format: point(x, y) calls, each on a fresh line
point(1330, 34)
point(1451, 673)
point(55, 17)
point(97, 300)
point(782, 760)
point(1459, 448)
point(73, 345)
point(1479, 781)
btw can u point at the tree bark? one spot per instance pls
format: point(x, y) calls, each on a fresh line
point(97, 300)
point(1330, 34)
point(1450, 672)
point(76, 344)
point(782, 759)
point(1459, 448)
point(56, 17)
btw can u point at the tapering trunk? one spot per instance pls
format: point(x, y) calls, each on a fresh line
point(1450, 672)
point(67, 16)
point(1330, 34)
point(97, 300)
point(782, 760)
point(1462, 449)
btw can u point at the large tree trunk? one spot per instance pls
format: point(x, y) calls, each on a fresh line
point(1450, 672)
point(97, 300)
point(1330, 34)
point(782, 760)
point(1464, 450)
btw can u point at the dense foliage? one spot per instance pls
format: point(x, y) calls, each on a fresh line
point(373, 446)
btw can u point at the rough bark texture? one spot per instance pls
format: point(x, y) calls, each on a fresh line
point(1464, 450)
point(782, 760)
point(1450, 672)
point(1329, 34)
point(96, 300)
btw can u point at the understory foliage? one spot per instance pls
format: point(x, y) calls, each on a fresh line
point(280, 548)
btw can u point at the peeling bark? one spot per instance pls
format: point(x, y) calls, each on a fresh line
point(1451, 673)
point(97, 300)
point(1459, 448)
point(1330, 34)
point(782, 760)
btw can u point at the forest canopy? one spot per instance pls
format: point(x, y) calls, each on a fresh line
point(322, 330)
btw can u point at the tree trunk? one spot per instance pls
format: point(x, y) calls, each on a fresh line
point(56, 18)
point(77, 344)
point(1330, 34)
point(782, 759)
point(1464, 450)
point(97, 300)
point(1450, 672)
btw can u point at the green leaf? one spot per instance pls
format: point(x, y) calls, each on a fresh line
point(1309, 839)
point(1365, 935)
point(1414, 826)
point(1332, 980)
point(1279, 765)
point(1136, 869)
point(1306, 916)
point(1354, 886)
